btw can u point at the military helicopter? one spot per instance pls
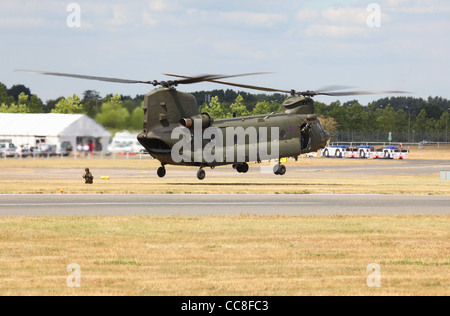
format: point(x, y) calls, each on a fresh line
point(207, 143)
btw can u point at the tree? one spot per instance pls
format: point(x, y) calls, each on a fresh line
point(386, 119)
point(91, 102)
point(340, 115)
point(35, 105)
point(4, 98)
point(50, 104)
point(18, 108)
point(23, 99)
point(357, 116)
point(330, 125)
point(238, 108)
point(421, 121)
point(137, 118)
point(431, 125)
point(215, 108)
point(262, 107)
point(442, 124)
point(401, 121)
point(16, 90)
point(69, 105)
point(113, 115)
point(433, 110)
point(321, 108)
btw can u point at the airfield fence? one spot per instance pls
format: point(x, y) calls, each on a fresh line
point(95, 155)
point(413, 137)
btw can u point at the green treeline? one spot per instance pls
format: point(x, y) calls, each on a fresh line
point(117, 112)
point(389, 114)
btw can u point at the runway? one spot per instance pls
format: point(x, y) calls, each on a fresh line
point(220, 205)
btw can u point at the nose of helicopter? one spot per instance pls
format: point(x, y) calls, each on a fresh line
point(325, 138)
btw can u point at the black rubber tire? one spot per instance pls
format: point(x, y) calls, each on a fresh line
point(201, 174)
point(161, 172)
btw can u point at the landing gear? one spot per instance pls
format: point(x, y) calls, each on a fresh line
point(241, 168)
point(279, 170)
point(201, 174)
point(161, 172)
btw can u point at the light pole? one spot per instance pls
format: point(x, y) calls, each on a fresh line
point(446, 126)
point(409, 123)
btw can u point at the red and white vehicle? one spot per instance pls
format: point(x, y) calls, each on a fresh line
point(362, 152)
point(337, 151)
point(390, 152)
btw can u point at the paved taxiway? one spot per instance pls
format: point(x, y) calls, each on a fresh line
point(201, 204)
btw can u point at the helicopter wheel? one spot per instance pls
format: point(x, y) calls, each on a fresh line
point(279, 170)
point(161, 172)
point(201, 174)
point(242, 168)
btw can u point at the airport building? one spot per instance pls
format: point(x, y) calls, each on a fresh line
point(53, 129)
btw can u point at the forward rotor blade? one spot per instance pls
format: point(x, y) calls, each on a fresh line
point(210, 78)
point(237, 84)
point(116, 80)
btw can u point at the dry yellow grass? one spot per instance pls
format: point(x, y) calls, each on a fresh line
point(244, 255)
point(433, 152)
point(423, 185)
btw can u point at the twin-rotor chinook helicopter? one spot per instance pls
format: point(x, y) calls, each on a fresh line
point(234, 141)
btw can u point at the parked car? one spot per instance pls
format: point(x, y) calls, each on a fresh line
point(24, 151)
point(129, 147)
point(7, 150)
point(64, 149)
point(44, 150)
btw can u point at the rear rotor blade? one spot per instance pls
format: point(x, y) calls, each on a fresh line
point(215, 77)
point(251, 87)
point(350, 93)
point(202, 78)
point(333, 88)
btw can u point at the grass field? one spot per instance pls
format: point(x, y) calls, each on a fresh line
point(244, 255)
point(422, 185)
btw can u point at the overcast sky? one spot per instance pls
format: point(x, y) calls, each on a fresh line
point(306, 44)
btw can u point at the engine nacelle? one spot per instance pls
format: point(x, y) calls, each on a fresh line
point(205, 118)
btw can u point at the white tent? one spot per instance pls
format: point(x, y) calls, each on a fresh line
point(53, 129)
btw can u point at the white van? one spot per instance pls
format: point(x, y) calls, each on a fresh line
point(7, 150)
